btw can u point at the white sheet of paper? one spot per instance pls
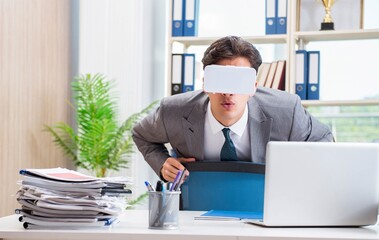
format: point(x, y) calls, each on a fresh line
point(229, 79)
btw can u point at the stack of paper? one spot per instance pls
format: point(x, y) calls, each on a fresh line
point(59, 197)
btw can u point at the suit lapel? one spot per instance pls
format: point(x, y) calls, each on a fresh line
point(260, 128)
point(193, 126)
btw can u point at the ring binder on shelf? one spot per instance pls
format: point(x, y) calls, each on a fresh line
point(270, 17)
point(188, 72)
point(281, 17)
point(176, 74)
point(191, 13)
point(301, 74)
point(314, 75)
point(177, 18)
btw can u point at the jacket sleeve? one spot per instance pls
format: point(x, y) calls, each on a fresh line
point(150, 137)
point(305, 127)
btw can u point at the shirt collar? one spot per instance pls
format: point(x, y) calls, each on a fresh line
point(238, 127)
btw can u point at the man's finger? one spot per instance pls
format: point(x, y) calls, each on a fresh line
point(187, 159)
point(168, 175)
point(170, 169)
point(174, 162)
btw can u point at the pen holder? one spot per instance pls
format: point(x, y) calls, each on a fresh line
point(164, 210)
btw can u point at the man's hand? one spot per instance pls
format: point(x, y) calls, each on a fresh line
point(171, 167)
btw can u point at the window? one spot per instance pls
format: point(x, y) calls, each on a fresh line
point(350, 123)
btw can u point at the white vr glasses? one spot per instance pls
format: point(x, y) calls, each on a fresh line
point(229, 79)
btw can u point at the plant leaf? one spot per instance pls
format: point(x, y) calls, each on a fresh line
point(99, 142)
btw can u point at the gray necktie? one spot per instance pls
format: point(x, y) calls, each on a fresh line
point(228, 151)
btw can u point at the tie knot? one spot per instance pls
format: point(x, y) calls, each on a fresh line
point(226, 131)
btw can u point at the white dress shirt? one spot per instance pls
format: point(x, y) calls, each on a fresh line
point(214, 138)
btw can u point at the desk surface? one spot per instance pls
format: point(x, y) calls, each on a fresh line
point(133, 225)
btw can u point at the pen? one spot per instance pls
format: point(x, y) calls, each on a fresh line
point(159, 187)
point(180, 180)
point(176, 180)
point(160, 198)
point(169, 185)
point(149, 187)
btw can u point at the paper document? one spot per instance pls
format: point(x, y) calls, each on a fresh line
point(60, 174)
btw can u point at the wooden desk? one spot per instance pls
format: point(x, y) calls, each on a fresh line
point(133, 226)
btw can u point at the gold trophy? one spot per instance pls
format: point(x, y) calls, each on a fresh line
point(328, 23)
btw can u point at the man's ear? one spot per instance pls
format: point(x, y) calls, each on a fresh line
point(255, 89)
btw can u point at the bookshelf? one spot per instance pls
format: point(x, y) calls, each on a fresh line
point(291, 40)
point(319, 103)
point(196, 41)
point(337, 35)
point(305, 37)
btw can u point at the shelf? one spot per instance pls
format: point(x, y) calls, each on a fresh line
point(337, 35)
point(266, 39)
point(318, 103)
point(291, 40)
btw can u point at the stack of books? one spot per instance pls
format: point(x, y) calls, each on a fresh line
point(272, 75)
point(58, 197)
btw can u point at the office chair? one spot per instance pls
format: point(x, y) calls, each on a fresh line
point(234, 186)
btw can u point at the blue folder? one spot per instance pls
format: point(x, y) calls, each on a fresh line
point(281, 16)
point(191, 17)
point(313, 75)
point(230, 215)
point(188, 72)
point(230, 186)
point(301, 74)
point(177, 18)
point(271, 19)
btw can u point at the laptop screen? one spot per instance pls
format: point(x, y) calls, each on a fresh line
point(321, 184)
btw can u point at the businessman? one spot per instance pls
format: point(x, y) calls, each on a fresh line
point(226, 127)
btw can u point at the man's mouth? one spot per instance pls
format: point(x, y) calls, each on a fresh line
point(227, 104)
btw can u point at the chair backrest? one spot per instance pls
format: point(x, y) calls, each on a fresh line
point(233, 186)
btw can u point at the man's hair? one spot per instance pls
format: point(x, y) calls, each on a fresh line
point(231, 47)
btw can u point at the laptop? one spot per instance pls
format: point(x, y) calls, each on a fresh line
point(320, 184)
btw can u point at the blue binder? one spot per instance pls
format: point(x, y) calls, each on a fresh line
point(229, 186)
point(313, 75)
point(301, 74)
point(281, 17)
point(177, 18)
point(191, 17)
point(271, 11)
point(188, 80)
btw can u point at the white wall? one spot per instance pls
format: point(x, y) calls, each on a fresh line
point(125, 40)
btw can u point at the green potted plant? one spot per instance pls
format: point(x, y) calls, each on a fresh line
point(99, 143)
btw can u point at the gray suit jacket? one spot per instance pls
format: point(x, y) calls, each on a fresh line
point(179, 120)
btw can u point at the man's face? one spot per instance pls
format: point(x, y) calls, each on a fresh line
point(229, 108)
